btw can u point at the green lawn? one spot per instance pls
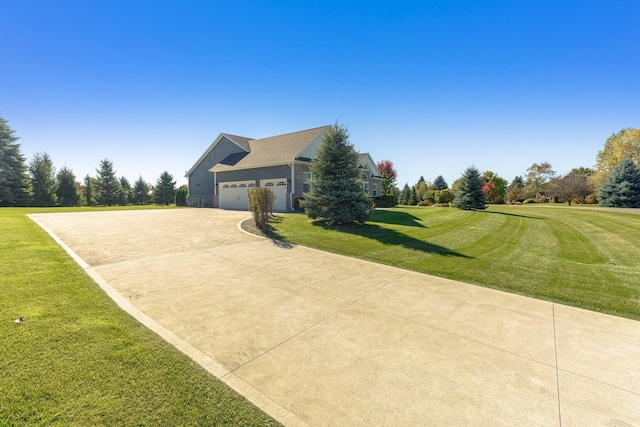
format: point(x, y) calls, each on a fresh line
point(580, 257)
point(78, 359)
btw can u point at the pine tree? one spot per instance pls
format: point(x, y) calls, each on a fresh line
point(165, 190)
point(337, 195)
point(470, 194)
point(67, 191)
point(141, 192)
point(108, 184)
point(14, 182)
point(622, 187)
point(43, 180)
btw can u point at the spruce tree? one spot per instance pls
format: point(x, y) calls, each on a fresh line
point(90, 190)
point(440, 184)
point(337, 195)
point(108, 184)
point(470, 194)
point(413, 197)
point(67, 191)
point(405, 195)
point(43, 180)
point(622, 188)
point(165, 190)
point(14, 181)
point(141, 192)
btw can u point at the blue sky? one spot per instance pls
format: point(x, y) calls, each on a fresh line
point(434, 86)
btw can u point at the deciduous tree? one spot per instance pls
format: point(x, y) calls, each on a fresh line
point(570, 186)
point(389, 174)
point(538, 176)
point(622, 145)
point(470, 194)
point(14, 181)
point(336, 195)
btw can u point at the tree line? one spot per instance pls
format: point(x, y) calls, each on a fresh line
point(614, 182)
point(39, 184)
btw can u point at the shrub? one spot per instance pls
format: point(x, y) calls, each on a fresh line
point(591, 199)
point(442, 205)
point(425, 203)
point(530, 201)
point(260, 205)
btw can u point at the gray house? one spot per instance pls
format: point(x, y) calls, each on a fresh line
point(232, 164)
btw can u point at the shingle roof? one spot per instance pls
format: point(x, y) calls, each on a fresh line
point(240, 140)
point(274, 150)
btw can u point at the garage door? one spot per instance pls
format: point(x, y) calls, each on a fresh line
point(233, 195)
point(279, 188)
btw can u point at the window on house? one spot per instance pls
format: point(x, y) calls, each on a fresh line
point(375, 189)
point(306, 181)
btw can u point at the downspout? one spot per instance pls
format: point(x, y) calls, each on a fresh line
point(215, 193)
point(293, 187)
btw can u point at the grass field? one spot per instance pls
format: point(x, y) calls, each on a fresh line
point(78, 359)
point(581, 257)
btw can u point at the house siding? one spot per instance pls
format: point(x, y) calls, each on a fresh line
point(201, 180)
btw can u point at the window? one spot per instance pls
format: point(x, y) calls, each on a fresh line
point(269, 184)
point(281, 183)
point(375, 189)
point(306, 181)
point(243, 185)
point(225, 186)
point(251, 184)
point(234, 185)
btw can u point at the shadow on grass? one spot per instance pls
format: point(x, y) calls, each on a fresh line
point(397, 218)
point(372, 231)
point(392, 237)
point(511, 214)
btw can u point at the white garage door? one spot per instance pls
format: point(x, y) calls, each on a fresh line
point(233, 195)
point(279, 188)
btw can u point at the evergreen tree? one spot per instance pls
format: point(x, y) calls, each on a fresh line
point(43, 180)
point(336, 195)
point(125, 195)
point(405, 195)
point(90, 190)
point(14, 182)
point(181, 195)
point(141, 192)
point(622, 187)
point(413, 198)
point(108, 184)
point(67, 192)
point(165, 190)
point(470, 194)
point(440, 184)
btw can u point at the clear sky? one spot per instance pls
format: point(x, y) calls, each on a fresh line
point(433, 86)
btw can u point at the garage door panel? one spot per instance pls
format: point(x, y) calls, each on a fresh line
point(233, 195)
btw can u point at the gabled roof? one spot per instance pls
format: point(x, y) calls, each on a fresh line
point(240, 141)
point(275, 150)
point(366, 161)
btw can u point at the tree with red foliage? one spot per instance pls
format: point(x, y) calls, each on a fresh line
point(490, 190)
point(389, 174)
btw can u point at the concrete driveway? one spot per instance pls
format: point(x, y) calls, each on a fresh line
point(324, 340)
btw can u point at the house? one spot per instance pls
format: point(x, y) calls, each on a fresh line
point(232, 164)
